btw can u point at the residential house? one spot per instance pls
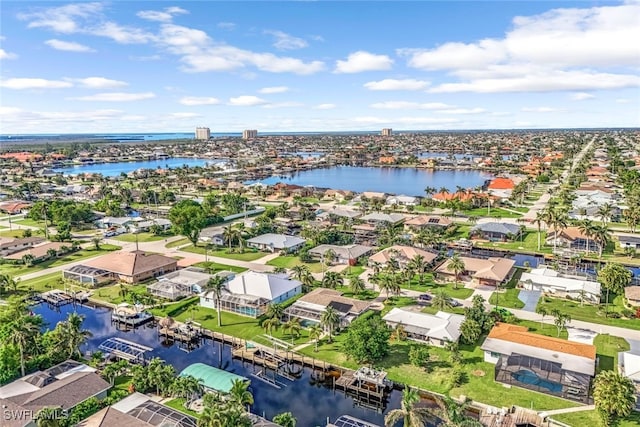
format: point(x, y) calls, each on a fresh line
point(572, 238)
point(537, 362)
point(310, 307)
point(438, 329)
point(276, 242)
point(336, 213)
point(380, 218)
point(213, 235)
point(627, 241)
point(629, 366)
point(180, 283)
point(10, 245)
point(402, 200)
point(338, 195)
point(546, 280)
point(491, 271)
point(632, 295)
point(501, 187)
point(402, 254)
point(249, 293)
point(212, 379)
point(120, 223)
point(495, 231)
point(129, 267)
point(374, 195)
point(39, 252)
point(14, 207)
point(138, 410)
point(347, 254)
point(421, 222)
point(62, 386)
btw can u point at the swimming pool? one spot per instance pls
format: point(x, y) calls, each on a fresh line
point(528, 377)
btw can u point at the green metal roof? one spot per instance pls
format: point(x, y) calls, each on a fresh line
point(212, 378)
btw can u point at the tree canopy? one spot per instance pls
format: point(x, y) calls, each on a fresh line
point(367, 339)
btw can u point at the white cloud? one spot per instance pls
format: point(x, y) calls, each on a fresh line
point(100, 83)
point(116, 97)
point(226, 25)
point(7, 55)
point(284, 41)
point(274, 89)
point(540, 109)
point(405, 105)
point(581, 96)
point(287, 104)
point(185, 115)
point(198, 100)
point(325, 106)
point(164, 16)
point(462, 111)
point(393, 84)
point(29, 83)
point(360, 61)
point(68, 46)
point(559, 50)
point(246, 101)
point(62, 19)
point(121, 34)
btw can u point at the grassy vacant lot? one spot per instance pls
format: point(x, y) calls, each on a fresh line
point(20, 269)
point(214, 267)
point(176, 243)
point(111, 293)
point(608, 348)
point(290, 261)
point(591, 313)
point(12, 233)
point(247, 255)
point(495, 212)
point(142, 237)
point(32, 223)
point(528, 243)
point(506, 298)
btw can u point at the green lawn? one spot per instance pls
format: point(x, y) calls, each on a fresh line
point(30, 222)
point(290, 261)
point(14, 233)
point(365, 295)
point(176, 243)
point(506, 298)
point(495, 213)
point(111, 293)
point(528, 243)
point(247, 255)
point(608, 347)
point(178, 404)
point(591, 418)
point(542, 329)
point(142, 237)
point(397, 302)
point(20, 269)
point(215, 267)
point(41, 283)
point(590, 313)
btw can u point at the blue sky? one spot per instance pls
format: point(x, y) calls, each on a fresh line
point(317, 66)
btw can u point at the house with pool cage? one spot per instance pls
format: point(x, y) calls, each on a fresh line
point(537, 362)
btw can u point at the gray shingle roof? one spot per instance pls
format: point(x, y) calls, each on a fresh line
point(498, 227)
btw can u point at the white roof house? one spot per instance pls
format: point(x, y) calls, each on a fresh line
point(272, 241)
point(263, 285)
point(629, 364)
point(436, 329)
point(548, 280)
point(402, 200)
point(375, 217)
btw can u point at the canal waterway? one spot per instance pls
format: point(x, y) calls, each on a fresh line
point(115, 169)
point(409, 181)
point(309, 401)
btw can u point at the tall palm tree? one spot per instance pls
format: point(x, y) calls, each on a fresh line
point(315, 332)
point(216, 285)
point(270, 324)
point(230, 235)
point(332, 280)
point(604, 213)
point(299, 272)
point(412, 416)
point(21, 335)
point(327, 258)
point(587, 228)
point(240, 393)
point(538, 221)
point(441, 300)
point(419, 265)
point(454, 414)
point(275, 310)
point(71, 334)
point(356, 285)
point(50, 417)
point(457, 267)
point(293, 326)
point(329, 320)
point(602, 236)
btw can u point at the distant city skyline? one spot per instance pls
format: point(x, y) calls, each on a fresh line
point(124, 67)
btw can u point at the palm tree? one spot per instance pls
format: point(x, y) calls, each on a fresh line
point(21, 335)
point(457, 267)
point(231, 235)
point(96, 242)
point(329, 320)
point(419, 265)
point(542, 311)
point(356, 285)
point(399, 333)
point(285, 419)
point(454, 414)
point(240, 393)
point(50, 417)
point(293, 326)
point(8, 282)
point(315, 332)
point(216, 285)
point(538, 221)
point(28, 259)
point(412, 416)
point(587, 228)
point(601, 236)
point(270, 324)
point(604, 213)
point(275, 310)
point(327, 258)
point(441, 300)
point(71, 334)
point(299, 272)
point(332, 280)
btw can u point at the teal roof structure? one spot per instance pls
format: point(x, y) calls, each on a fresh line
point(212, 378)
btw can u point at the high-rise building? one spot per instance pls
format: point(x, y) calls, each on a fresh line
point(386, 131)
point(249, 134)
point(203, 134)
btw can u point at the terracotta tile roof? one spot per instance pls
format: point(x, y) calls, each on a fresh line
point(632, 292)
point(520, 335)
point(38, 251)
point(131, 263)
point(572, 233)
point(428, 219)
point(501, 184)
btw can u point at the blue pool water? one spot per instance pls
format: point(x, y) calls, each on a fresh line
point(527, 377)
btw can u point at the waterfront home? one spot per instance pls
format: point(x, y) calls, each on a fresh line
point(572, 238)
point(438, 329)
point(212, 379)
point(138, 410)
point(14, 207)
point(402, 200)
point(40, 252)
point(10, 245)
point(364, 233)
point(276, 242)
point(546, 280)
point(402, 254)
point(627, 241)
point(337, 195)
point(421, 222)
point(347, 254)
point(501, 187)
point(632, 295)
point(371, 195)
point(491, 271)
point(381, 218)
point(495, 231)
point(309, 308)
point(62, 386)
point(334, 214)
point(629, 366)
point(537, 362)
point(129, 267)
point(250, 293)
point(180, 283)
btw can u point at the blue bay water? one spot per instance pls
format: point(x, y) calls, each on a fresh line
point(114, 169)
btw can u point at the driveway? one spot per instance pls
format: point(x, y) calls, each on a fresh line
point(530, 299)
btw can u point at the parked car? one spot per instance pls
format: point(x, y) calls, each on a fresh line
point(424, 297)
point(502, 311)
point(454, 302)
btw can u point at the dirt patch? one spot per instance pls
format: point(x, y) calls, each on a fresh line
point(478, 373)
